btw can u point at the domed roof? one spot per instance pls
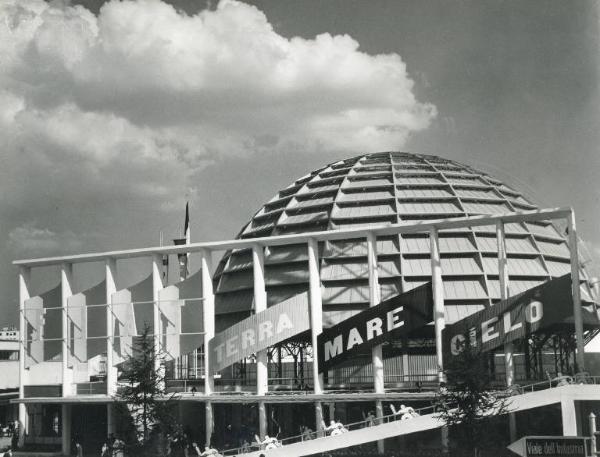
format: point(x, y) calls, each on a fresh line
point(386, 188)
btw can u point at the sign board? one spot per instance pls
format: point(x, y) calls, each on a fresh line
point(537, 308)
point(259, 331)
point(396, 316)
point(549, 446)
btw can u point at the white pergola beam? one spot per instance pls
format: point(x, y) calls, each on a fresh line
point(351, 233)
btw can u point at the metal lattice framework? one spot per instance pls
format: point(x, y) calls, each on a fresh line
point(386, 188)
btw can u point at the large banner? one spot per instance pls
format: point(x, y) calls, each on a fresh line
point(537, 308)
point(259, 331)
point(392, 318)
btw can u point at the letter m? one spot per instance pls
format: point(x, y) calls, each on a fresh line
point(333, 349)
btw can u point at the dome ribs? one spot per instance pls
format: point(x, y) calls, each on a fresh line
point(387, 188)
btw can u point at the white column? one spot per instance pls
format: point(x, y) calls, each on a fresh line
point(503, 274)
point(262, 419)
point(208, 324)
point(508, 347)
point(569, 416)
point(111, 288)
point(260, 304)
point(374, 300)
point(157, 285)
point(208, 316)
point(575, 290)
point(208, 414)
point(110, 419)
point(438, 299)
point(444, 441)
point(316, 323)
point(66, 429)
point(66, 278)
point(376, 353)
point(24, 278)
point(592, 426)
point(319, 418)
point(405, 366)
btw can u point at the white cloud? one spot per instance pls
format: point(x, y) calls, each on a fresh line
point(111, 115)
point(28, 239)
point(221, 78)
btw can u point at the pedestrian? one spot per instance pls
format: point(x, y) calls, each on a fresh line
point(118, 448)
point(8, 453)
point(335, 428)
point(369, 419)
point(78, 449)
point(305, 433)
point(405, 412)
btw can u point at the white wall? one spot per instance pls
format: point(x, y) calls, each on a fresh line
point(10, 374)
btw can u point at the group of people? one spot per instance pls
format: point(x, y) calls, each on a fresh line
point(9, 429)
point(113, 447)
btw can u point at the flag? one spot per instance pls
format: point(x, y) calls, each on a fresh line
point(165, 262)
point(184, 258)
point(186, 229)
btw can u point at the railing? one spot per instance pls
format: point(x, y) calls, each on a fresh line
point(579, 378)
point(312, 435)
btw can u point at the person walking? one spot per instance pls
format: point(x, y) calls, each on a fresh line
point(118, 448)
point(78, 449)
point(369, 419)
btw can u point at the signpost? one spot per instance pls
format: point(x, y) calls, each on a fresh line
point(550, 446)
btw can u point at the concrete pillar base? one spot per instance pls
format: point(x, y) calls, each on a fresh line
point(208, 412)
point(66, 430)
point(569, 417)
point(379, 415)
point(23, 423)
point(262, 419)
point(319, 418)
point(110, 419)
point(512, 426)
point(444, 438)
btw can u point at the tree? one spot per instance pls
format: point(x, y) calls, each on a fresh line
point(142, 399)
point(468, 404)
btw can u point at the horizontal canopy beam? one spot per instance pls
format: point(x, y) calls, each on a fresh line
point(327, 235)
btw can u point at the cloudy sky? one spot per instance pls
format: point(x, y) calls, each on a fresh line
point(113, 114)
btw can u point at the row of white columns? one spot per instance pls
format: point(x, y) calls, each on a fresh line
point(260, 304)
